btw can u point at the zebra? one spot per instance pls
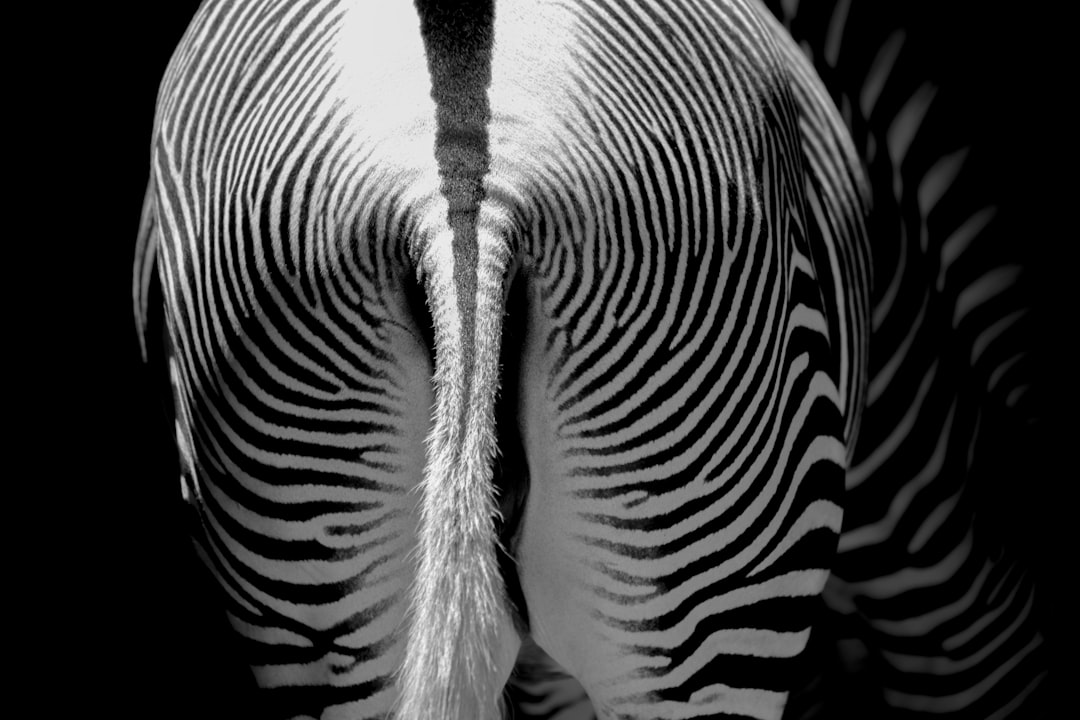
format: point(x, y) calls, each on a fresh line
point(946, 625)
point(945, 617)
point(398, 480)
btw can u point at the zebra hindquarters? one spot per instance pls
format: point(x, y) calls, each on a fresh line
point(682, 508)
point(696, 270)
point(684, 432)
point(303, 489)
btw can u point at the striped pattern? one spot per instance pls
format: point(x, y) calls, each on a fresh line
point(297, 328)
point(935, 613)
point(701, 296)
point(345, 199)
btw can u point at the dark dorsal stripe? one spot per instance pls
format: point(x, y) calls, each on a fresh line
point(458, 39)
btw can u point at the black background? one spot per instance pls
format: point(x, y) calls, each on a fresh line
point(110, 608)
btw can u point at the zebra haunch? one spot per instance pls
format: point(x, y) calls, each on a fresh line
point(672, 194)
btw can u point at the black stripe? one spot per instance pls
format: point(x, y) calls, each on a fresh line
point(458, 39)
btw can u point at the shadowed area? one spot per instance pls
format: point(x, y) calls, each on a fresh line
point(511, 466)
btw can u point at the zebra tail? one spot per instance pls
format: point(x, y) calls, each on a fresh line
point(460, 644)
